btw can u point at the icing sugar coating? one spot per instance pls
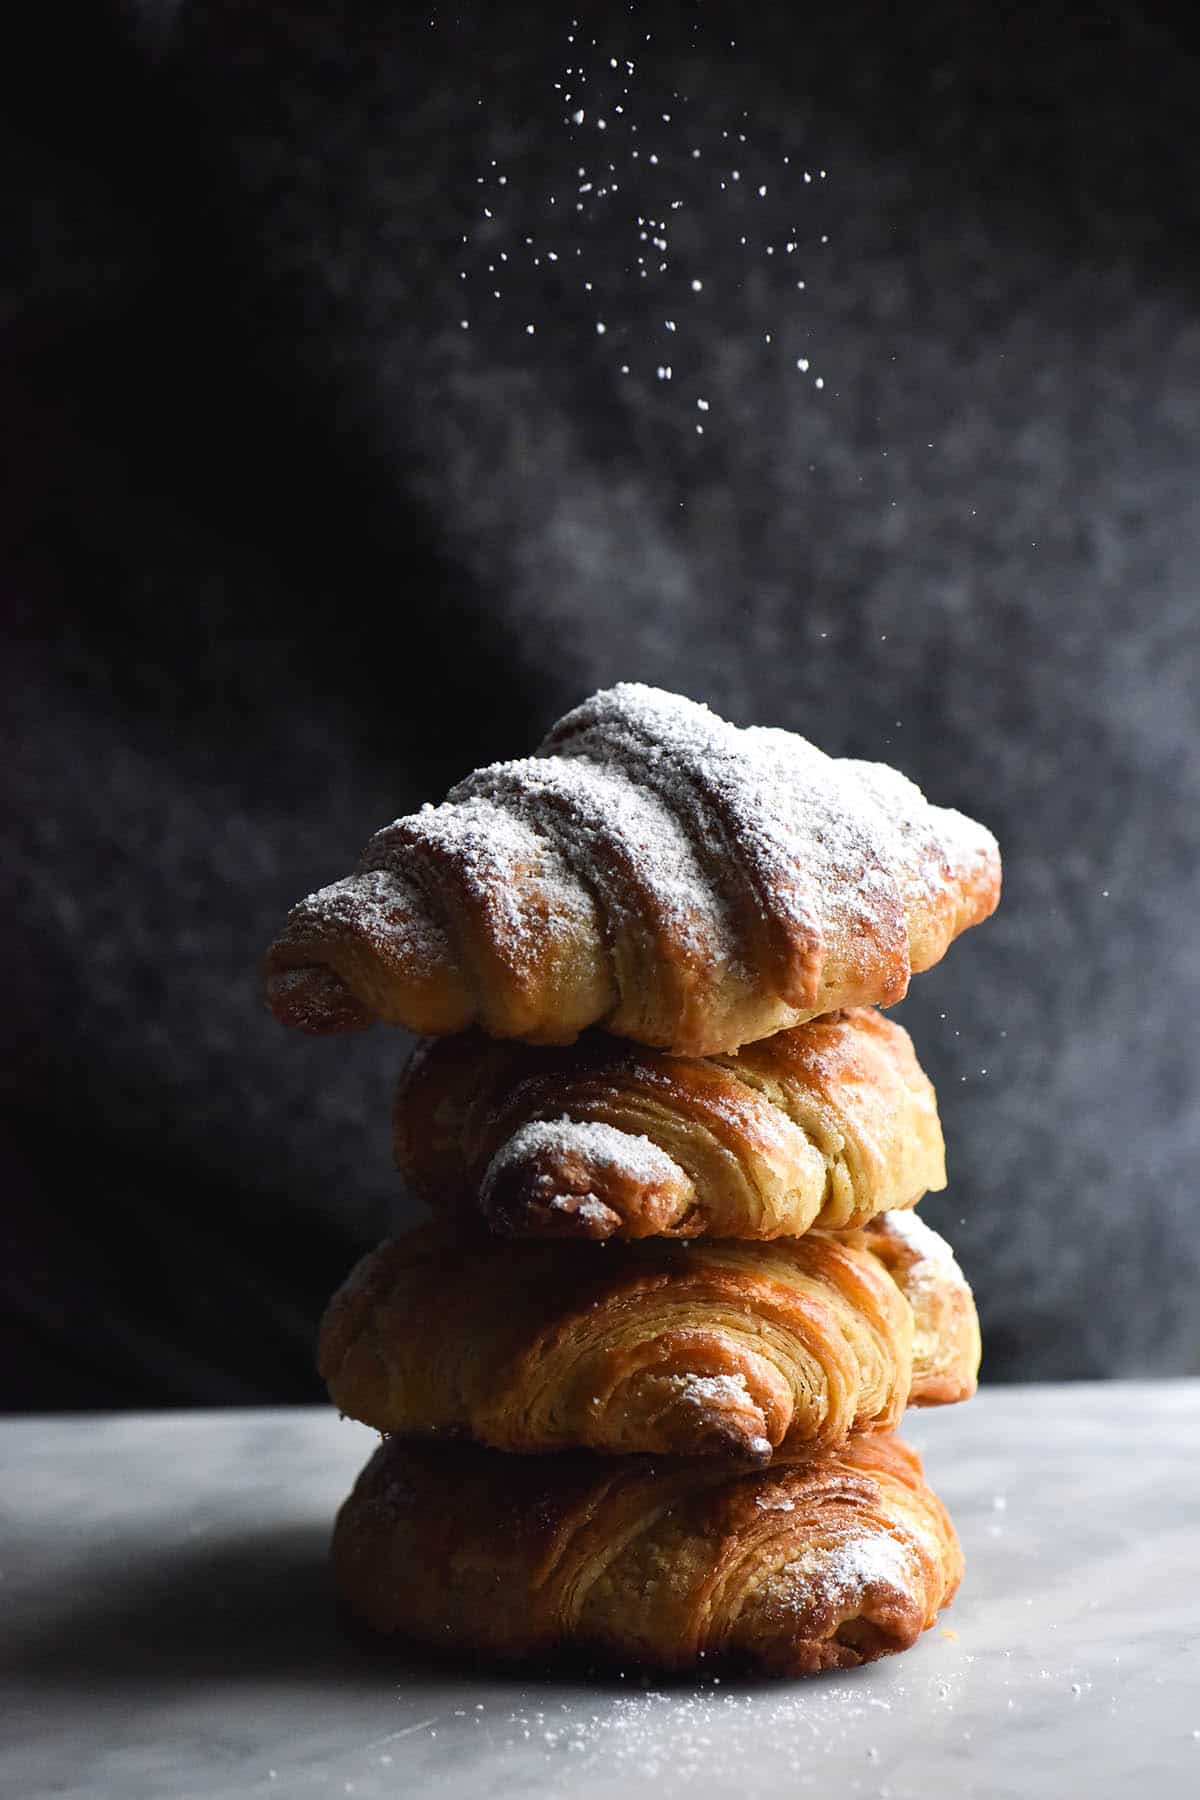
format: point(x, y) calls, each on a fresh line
point(652, 869)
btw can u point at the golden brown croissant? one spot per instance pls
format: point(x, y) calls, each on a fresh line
point(713, 1348)
point(827, 1124)
point(798, 1567)
point(653, 870)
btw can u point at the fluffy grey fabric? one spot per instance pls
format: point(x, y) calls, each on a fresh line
point(293, 550)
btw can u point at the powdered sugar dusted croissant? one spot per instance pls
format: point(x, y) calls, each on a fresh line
point(653, 870)
point(827, 1124)
point(673, 1566)
point(713, 1348)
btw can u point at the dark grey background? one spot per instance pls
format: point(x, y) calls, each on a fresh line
point(287, 550)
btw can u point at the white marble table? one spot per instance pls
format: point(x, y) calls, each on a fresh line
point(167, 1631)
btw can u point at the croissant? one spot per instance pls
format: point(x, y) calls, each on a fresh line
point(706, 1349)
point(672, 1566)
point(827, 1124)
point(653, 870)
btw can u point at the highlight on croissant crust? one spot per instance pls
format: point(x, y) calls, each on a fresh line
point(717, 1349)
point(819, 1564)
point(946, 1348)
point(652, 870)
point(828, 1124)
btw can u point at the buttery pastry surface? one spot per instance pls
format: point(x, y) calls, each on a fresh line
point(714, 1348)
point(652, 870)
point(825, 1563)
point(827, 1124)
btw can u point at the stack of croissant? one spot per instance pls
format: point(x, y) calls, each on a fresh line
point(638, 1380)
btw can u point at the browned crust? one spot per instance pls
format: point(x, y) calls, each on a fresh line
point(946, 1341)
point(710, 1349)
point(802, 1566)
point(525, 904)
point(827, 1124)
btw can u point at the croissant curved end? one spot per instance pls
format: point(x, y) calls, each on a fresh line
point(313, 999)
point(947, 1345)
point(570, 1178)
point(743, 1413)
point(365, 949)
point(978, 868)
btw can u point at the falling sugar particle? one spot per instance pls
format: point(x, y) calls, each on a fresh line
point(601, 327)
point(670, 324)
point(762, 192)
point(577, 117)
point(703, 405)
point(819, 382)
point(802, 364)
point(696, 286)
point(530, 330)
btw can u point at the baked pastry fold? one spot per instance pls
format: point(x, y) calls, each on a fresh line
point(653, 870)
point(802, 1566)
point(827, 1124)
point(714, 1348)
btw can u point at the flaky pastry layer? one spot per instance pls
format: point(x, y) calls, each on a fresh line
point(671, 1566)
point(714, 1348)
point(827, 1124)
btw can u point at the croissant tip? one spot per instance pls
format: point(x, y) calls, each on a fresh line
point(314, 1000)
point(563, 1215)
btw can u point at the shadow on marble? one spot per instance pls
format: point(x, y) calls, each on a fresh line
point(260, 1605)
point(255, 1605)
